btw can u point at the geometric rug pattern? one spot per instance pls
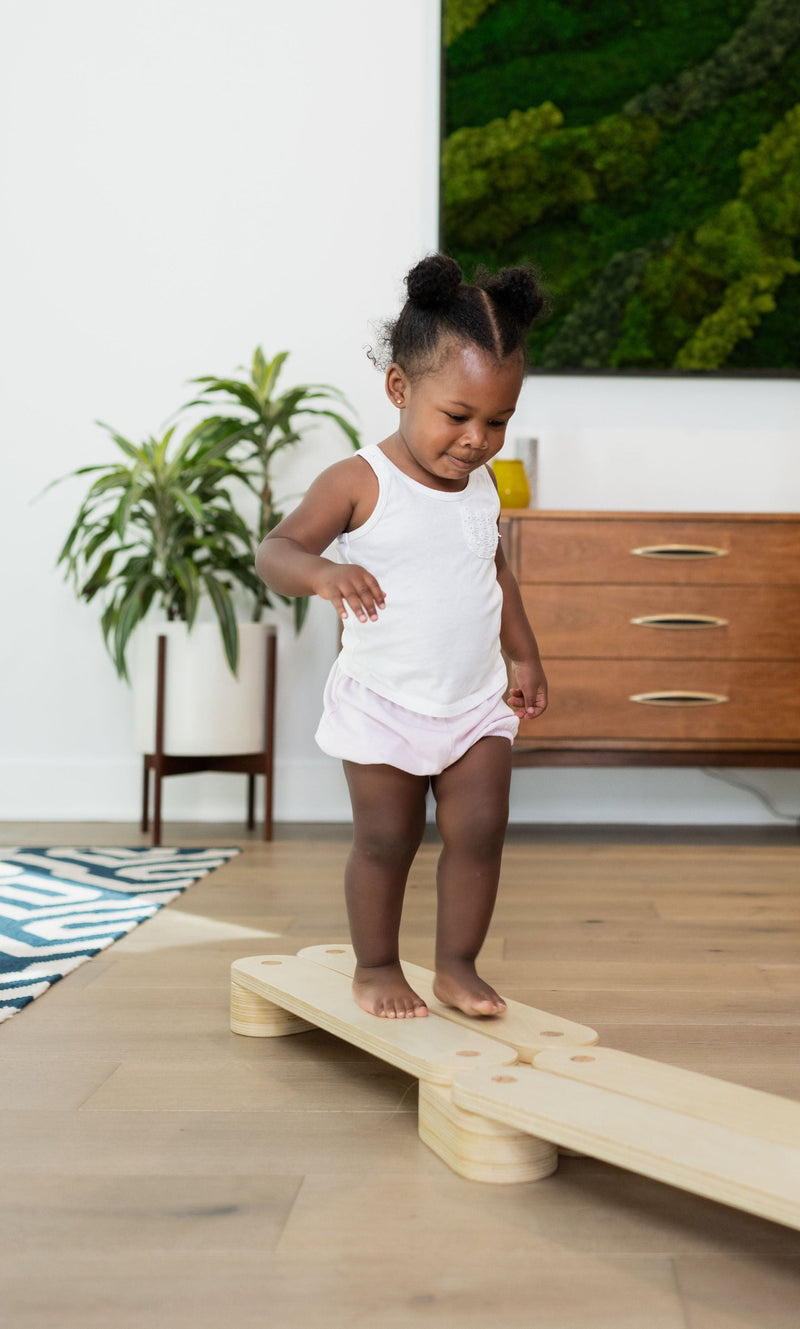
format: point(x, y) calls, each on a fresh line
point(61, 906)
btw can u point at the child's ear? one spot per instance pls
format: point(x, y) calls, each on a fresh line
point(396, 385)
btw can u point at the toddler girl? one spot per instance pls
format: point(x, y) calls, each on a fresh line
point(415, 698)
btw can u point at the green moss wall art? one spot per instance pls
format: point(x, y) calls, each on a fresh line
point(645, 155)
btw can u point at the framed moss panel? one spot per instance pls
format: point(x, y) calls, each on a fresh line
point(645, 155)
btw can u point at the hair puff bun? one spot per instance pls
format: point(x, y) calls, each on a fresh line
point(517, 290)
point(432, 283)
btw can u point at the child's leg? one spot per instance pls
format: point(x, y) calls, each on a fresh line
point(388, 824)
point(471, 813)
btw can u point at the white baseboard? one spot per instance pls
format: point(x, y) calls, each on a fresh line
point(315, 791)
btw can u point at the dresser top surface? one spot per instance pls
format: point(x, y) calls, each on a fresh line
point(557, 514)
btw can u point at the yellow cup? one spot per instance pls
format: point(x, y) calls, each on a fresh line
point(512, 482)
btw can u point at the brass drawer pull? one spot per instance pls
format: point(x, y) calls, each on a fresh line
point(680, 621)
point(679, 698)
point(680, 551)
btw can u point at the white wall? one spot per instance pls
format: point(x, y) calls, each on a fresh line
point(184, 179)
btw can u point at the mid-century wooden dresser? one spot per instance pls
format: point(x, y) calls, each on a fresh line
point(667, 638)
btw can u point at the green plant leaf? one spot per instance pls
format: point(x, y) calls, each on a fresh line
point(229, 522)
point(190, 504)
point(131, 611)
point(315, 390)
point(273, 371)
point(99, 577)
point(66, 548)
point(259, 370)
point(242, 392)
point(82, 470)
point(116, 479)
point(99, 538)
point(187, 577)
point(285, 440)
point(223, 608)
point(124, 444)
point(344, 425)
point(300, 606)
point(211, 438)
point(135, 567)
point(123, 511)
point(108, 619)
point(160, 446)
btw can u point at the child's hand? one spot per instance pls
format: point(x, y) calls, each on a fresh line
point(348, 584)
point(530, 698)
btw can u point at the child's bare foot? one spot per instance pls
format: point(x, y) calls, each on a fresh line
point(383, 990)
point(457, 984)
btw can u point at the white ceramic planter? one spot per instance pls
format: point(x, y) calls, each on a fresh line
point(207, 711)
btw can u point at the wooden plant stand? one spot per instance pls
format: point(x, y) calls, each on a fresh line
point(498, 1097)
point(250, 764)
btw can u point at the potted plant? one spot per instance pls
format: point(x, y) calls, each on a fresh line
point(159, 529)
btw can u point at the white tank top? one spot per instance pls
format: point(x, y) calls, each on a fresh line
point(435, 648)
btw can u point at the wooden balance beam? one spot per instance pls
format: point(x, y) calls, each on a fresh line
point(502, 1120)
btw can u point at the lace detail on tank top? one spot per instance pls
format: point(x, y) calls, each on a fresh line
point(480, 530)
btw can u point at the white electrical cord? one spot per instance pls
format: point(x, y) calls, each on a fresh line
point(757, 793)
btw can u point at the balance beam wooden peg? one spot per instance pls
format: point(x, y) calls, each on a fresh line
point(477, 1148)
point(255, 1017)
point(523, 1028)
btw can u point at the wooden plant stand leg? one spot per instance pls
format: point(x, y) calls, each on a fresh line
point(269, 732)
point(145, 794)
point(477, 1148)
point(255, 1017)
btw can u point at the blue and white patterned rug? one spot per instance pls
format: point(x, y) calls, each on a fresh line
point(59, 907)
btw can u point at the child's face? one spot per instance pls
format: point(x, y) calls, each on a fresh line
point(454, 420)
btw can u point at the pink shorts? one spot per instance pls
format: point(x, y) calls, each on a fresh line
point(359, 725)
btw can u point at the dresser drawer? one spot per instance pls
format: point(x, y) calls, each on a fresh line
point(593, 700)
point(681, 622)
point(681, 550)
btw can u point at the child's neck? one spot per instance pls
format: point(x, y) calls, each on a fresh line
point(394, 447)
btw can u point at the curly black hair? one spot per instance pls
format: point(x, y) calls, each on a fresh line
point(493, 313)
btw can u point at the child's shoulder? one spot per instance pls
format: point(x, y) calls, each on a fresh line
point(351, 474)
point(351, 486)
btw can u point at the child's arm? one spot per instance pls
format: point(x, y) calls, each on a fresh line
point(289, 558)
point(529, 699)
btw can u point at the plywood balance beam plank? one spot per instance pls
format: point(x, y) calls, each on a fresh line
point(723, 1141)
point(745, 1111)
point(431, 1049)
point(526, 1029)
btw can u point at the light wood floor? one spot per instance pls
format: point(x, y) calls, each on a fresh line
point(158, 1171)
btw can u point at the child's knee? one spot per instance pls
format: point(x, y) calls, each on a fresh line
point(387, 843)
point(478, 827)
